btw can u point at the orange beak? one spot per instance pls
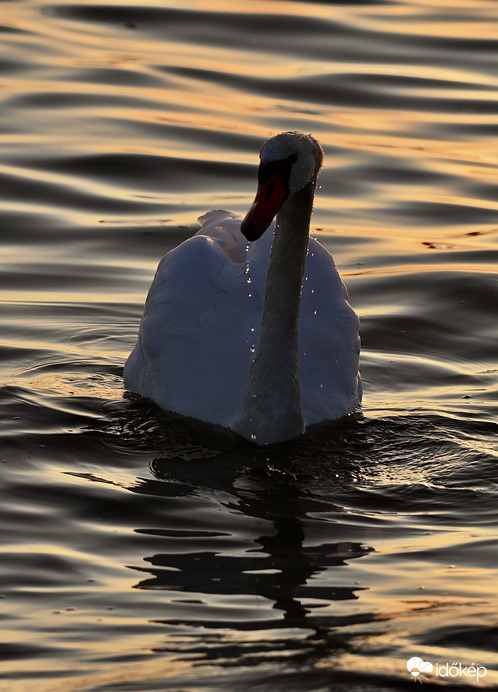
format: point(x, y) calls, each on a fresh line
point(272, 193)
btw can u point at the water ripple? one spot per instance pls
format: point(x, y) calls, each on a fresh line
point(144, 550)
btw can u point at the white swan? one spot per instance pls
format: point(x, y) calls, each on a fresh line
point(219, 335)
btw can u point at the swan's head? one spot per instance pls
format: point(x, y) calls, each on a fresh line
point(289, 161)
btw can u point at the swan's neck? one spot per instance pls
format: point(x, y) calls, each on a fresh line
point(271, 408)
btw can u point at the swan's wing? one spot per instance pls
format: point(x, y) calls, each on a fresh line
point(329, 344)
point(194, 346)
point(224, 227)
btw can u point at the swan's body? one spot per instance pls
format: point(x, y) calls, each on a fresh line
point(213, 347)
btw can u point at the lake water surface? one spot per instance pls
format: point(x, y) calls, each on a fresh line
point(141, 551)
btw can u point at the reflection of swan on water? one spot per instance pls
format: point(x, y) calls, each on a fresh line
point(219, 335)
point(269, 548)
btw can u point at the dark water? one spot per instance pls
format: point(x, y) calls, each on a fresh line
point(144, 552)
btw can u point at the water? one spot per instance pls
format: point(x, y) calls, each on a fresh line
point(143, 552)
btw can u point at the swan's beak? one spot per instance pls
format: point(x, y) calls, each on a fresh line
point(272, 193)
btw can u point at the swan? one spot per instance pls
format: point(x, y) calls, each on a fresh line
point(219, 338)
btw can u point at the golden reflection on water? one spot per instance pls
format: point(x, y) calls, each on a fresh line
point(361, 223)
point(184, 101)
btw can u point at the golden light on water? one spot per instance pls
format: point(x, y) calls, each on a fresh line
point(182, 100)
point(403, 98)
